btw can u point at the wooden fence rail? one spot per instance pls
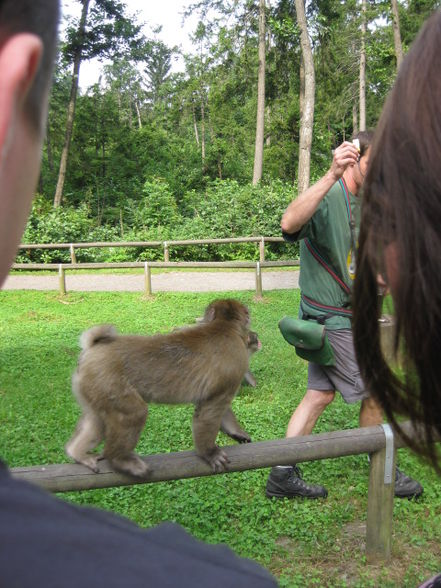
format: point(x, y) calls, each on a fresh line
point(377, 441)
point(148, 265)
point(165, 245)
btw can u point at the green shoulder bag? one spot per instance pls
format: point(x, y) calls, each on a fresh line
point(309, 339)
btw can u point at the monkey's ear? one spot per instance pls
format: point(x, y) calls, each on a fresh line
point(210, 314)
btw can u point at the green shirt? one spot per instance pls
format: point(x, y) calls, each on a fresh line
point(329, 233)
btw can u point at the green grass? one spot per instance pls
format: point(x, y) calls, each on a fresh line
point(304, 543)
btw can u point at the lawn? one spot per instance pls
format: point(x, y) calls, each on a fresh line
point(303, 543)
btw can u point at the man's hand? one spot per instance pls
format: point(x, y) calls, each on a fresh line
point(346, 154)
point(303, 207)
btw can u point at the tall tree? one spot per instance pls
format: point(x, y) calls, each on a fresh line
point(158, 59)
point(260, 121)
point(77, 55)
point(397, 33)
point(100, 34)
point(362, 95)
point(307, 115)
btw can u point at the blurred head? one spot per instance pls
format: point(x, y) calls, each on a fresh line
point(400, 238)
point(28, 39)
point(359, 170)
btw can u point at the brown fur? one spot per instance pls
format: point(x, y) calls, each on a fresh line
point(253, 345)
point(118, 375)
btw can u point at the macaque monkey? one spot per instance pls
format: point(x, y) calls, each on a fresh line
point(117, 375)
point(253, 345)
point(229, 424)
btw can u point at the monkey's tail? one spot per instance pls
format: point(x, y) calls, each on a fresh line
point(99, 334)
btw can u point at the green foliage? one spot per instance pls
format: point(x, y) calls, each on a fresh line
point(142, 122)
point(157, 207)
point(304, 543)
point(225, 209)
point(61, 225)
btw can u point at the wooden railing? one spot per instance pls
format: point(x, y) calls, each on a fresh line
point(165, 245)
point(148, 265)
point(379, 442)
point(62, 268)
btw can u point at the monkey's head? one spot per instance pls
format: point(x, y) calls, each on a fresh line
point(254, 343)
point(228, 310)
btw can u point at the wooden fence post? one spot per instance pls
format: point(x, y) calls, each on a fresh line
point(166, 252)
point(262, 249)
point(147, 279)
point(258, 280)
point(381, 501)
point(73, 259)
point(61, 280)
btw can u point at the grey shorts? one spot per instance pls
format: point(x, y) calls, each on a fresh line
point(344, 376)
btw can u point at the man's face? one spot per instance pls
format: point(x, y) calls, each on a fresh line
point(361, 168)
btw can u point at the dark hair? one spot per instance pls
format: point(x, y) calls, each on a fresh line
point(39, 17)
point(402, 205)
point(365, 138)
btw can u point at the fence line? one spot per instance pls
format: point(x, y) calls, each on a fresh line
point(147, 265)
point(376, 441)
point(165, 245)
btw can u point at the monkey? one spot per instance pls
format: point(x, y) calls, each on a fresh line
point(229, 424)
point(253, 345)
point(117, 375)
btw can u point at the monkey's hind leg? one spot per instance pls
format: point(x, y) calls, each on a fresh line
point(206, 424)
point(122, 433)
point(231, 427)
point(88, 434)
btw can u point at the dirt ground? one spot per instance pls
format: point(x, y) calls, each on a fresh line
point(166, 282)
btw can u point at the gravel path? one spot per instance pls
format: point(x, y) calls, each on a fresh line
point(167, 282)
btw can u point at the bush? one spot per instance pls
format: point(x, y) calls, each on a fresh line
point(225, 209)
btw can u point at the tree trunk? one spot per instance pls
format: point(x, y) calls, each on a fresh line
point(307, 117)
point(362, 99)
point(260, 120)
point(71, 109)
point(268, 118)
point(138, 114)
point(397, 35)
point(302, 87)
point(203, 131)
point(354, 118)
point(195, 124)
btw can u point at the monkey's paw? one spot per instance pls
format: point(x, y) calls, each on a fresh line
point(89, 461)
point(133, 465)
point(218, 460)
point(242, 437)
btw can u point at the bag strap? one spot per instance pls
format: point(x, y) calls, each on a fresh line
point(319, 257)
point(330, 310)
point(328, 267)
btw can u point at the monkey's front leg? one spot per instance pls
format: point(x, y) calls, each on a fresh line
point(230, 426)
point(206, 424)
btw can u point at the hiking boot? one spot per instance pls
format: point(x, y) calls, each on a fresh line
point(406, 487)
point(286, 482)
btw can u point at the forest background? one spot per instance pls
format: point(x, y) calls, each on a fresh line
point(221, 148)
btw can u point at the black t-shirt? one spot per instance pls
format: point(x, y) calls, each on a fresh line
point(46, 542)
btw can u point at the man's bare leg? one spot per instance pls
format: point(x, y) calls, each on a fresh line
point(307, 413)
point(286, 481)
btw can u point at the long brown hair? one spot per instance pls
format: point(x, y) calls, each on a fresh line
point(402, 205)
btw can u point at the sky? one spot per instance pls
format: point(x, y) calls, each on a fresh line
point(167, 13)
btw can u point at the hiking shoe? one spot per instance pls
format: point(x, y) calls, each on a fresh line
point(406, 487)
point(286, 482)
